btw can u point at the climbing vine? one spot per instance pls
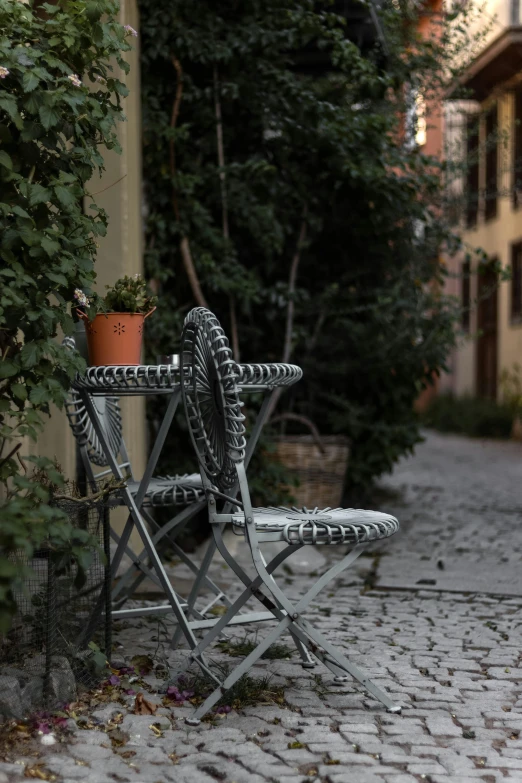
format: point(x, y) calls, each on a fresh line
point(60, 100)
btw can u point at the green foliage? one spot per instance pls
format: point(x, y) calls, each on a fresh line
point(52, 127)
point(242, 647)
point(476, 417)
point(127, 295)
point(511, 387)
point(276, 163)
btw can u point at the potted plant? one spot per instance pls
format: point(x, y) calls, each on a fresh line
point(114, 323)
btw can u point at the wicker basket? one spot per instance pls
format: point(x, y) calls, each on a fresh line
point(320, 473)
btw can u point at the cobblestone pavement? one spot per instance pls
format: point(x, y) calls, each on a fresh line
point(449, 654)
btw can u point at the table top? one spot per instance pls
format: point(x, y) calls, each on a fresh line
point(149, 379)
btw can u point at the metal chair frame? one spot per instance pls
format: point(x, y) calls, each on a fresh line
point(162, 491)
point(102, 383)
point(210, 392)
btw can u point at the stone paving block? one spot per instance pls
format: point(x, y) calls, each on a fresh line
point(443, 727)
point(12, 771)
point(428, 767)
point(90, 737)
point(91, 752)
point(297, 756)
point(363, 776)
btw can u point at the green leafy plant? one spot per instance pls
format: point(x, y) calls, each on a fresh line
point(127, 295)
point(472, 416)
point(511, 388)
point(59, 104)
point(282, 193)
point(243, 647)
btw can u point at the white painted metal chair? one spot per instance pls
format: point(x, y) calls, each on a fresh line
point(210, 394)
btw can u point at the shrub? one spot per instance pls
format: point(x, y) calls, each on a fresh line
point(472, 416)
point(52, 126)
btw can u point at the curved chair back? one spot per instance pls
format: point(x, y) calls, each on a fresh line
point(109, 412)
point(211, 399)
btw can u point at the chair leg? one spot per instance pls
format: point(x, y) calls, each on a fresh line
point(238, 672)
point(291, 620)
point(307, 661)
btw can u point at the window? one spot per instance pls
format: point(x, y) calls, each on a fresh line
point(516, 282)
point(465, 294)
point(491, 163)
point(517, 150)
point(472, 167)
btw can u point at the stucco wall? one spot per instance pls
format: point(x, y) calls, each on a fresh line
point(495, 237)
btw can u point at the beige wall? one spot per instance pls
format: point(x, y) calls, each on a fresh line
point(120, 253)
point(495, 237)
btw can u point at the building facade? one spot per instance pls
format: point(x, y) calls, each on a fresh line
point(486, 132)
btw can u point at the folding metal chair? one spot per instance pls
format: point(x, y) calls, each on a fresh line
point(210, 394)
point(183, 492)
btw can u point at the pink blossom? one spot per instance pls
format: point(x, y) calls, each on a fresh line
point(75, 79)
point(3, 72)
point(131, 30)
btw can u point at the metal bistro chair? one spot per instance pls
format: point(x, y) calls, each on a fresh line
point(211, 399)
point(181, 492)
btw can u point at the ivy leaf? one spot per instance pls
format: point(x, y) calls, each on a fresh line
point(16, 210)
point(8, 103)
point(30, 81)
point(51, 247)
point(39, 395)
point(49, 116)
point(8, 368)
point(19, 391)
point(94, 9)
point(38, 194)
point(5, 160)
point(57, 278)
point(23, 59)
point(29, 355)
point(64, 195)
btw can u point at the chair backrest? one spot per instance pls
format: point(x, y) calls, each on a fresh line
point(109, 412)
point(211, 399)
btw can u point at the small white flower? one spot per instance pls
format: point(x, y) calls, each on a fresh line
point(81, 298)
point(48, 739)
point(3, 72)
point(75, 79)
point(131, 30)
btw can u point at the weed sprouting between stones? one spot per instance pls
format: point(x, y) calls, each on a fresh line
point(244, 647)
point(248, 691)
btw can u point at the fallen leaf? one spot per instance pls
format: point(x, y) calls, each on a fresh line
point(143, 663)
point(157, 731)
point(39, 773)
point(118, 737)
point(142, 706)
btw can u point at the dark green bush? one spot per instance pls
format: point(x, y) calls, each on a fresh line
point(472, 416)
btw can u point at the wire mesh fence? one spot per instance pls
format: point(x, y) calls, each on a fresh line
point(45, 658)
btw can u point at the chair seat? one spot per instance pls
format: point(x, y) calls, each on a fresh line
point(171, 490)
point(319, 526)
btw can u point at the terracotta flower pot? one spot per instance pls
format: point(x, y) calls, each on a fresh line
point(115, 338)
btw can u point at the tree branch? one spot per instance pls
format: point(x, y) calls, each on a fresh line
point(290, 309)
point(224, 203)
point(184, 245)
